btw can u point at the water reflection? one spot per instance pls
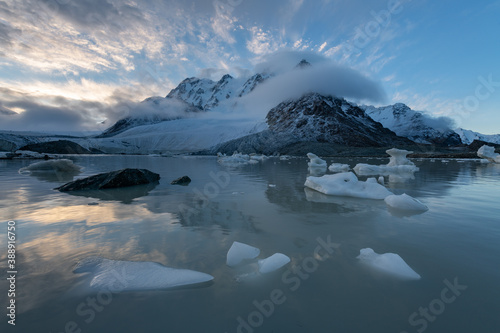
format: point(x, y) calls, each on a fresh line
point(124, 195)
point(53, 177)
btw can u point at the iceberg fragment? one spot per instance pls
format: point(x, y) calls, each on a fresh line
point(347, 184)
point(338, 167)
point(398, 169)
point(240, 252)
point(137, 275)
point(315, 161)
point(405, 202)
point(238, 159)
point(389, 263)
point(273, 263)
point(488, 153)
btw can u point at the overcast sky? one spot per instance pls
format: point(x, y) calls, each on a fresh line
point(70, 64)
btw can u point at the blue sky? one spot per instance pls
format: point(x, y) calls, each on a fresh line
point(71, 64)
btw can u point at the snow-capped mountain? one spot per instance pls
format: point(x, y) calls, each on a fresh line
point(152, 110)
point(413, 125)
point(206, 94)
point(317, 118)
point(468, 136)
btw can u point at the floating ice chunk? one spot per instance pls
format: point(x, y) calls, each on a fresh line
point(398, 169)
point(57, 166)
point(285, 157)
point(259, 158)
point(238, 159)
point(347, 184)
point(273, 263)
point(389, 263)
point(381, 180)
point(240, 252)
point(137, 275)
point(405, 202)
point(339, 167)
point(398, 157)
point(489, 154)
point(315, 161)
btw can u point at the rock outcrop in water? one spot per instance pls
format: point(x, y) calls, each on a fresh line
point(114, 179)
point(184, 180)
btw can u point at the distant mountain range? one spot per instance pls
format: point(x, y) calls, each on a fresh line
point(181, 122)
point(413, 125)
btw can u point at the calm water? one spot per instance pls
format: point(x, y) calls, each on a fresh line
point(192, 227)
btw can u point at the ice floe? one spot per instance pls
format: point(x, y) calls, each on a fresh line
point(488, 153)
point(58, 166)
point(347, 184)
point(116, 275)
point(273, 263)
point(389, 263)
point(238, 159)
point(315, 161)
point(398, 169)
point(240, 252)
point(405, 202)
point(339, 167)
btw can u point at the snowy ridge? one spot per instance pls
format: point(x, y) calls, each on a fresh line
point(206, 94)
point(468, 136)
point(413, 125)
point(317, 118)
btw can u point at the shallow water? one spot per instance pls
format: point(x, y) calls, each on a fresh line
point(193, 226)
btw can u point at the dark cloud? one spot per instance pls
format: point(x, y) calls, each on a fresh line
point(94, 14)
point(7, 33)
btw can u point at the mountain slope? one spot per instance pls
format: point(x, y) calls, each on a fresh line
point(413, 125)
point(468, 136)
point(318, 118)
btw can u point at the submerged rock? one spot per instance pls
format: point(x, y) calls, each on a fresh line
point(114, 179)
point(184, 180)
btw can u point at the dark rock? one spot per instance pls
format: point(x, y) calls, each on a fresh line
point(476, 144)
point(318, 118)
point(57, 147)
point(184, 180)
point(114, 179)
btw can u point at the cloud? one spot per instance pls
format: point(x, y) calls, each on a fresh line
point(43, 118)
point(324, 77)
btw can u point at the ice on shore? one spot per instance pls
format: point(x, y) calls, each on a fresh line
point(339, 167)
point(273, 263)
point(398, 169)
point(240, 252)
point(240, 159)
point(57, 166)
point(405, 202)
point(116, 275)
point(347, 184)
point(389, 263)
point(488, 153)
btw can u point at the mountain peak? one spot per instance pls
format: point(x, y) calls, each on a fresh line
point(318, 118)
point(303, 63)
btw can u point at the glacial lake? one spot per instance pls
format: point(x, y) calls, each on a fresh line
point(454, 247)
